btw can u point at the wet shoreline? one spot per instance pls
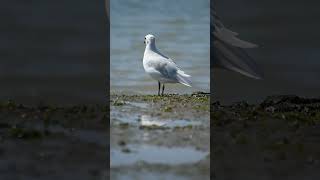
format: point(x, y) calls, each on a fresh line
point(156, 137)
point(49, 142)
point(153, 136)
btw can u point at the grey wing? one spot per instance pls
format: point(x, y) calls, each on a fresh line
point(165, 58)
point(229, 51)
point(167, 68)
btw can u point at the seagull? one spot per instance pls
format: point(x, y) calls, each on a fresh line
point(160, 67)
point(228, 50)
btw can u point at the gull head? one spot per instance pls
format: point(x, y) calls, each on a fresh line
point(149, 39)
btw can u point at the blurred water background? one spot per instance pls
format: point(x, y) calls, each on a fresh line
point(182, 32)
point(53, 51)
point(289, 54)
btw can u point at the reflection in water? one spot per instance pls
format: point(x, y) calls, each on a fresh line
point(137, 104)
point(127, 114)
point(147, 120)
point(149, 143)
point(144, 138)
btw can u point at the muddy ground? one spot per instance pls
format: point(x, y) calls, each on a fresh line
point(160, 137)
point(152, 137)
point(46, 142)
point(276, 139)
point(167, 137)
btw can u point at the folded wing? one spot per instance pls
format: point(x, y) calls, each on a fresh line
point(229, 51)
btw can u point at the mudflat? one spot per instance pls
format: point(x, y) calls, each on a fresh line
point(160, 137)
point(276, 139)
point(48, 142)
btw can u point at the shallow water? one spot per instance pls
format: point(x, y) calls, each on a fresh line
point(182, 35)
point(147, 142)
point(127, 114)
point(147, 120)
point(155, 155)
point(150, 176)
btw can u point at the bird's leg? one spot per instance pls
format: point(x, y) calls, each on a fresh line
point(162, 89)
point(159, 88)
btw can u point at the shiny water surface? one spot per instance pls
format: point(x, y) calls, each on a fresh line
point(182, 31)
point(155, 155)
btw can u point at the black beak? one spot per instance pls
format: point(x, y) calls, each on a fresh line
point(144, 41)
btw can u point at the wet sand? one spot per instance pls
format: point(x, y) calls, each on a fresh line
point(276, 139)
point(154, 137)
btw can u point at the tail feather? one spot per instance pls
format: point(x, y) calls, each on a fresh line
point(183, 78)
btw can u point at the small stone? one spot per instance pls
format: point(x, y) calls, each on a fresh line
point(122, 143)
